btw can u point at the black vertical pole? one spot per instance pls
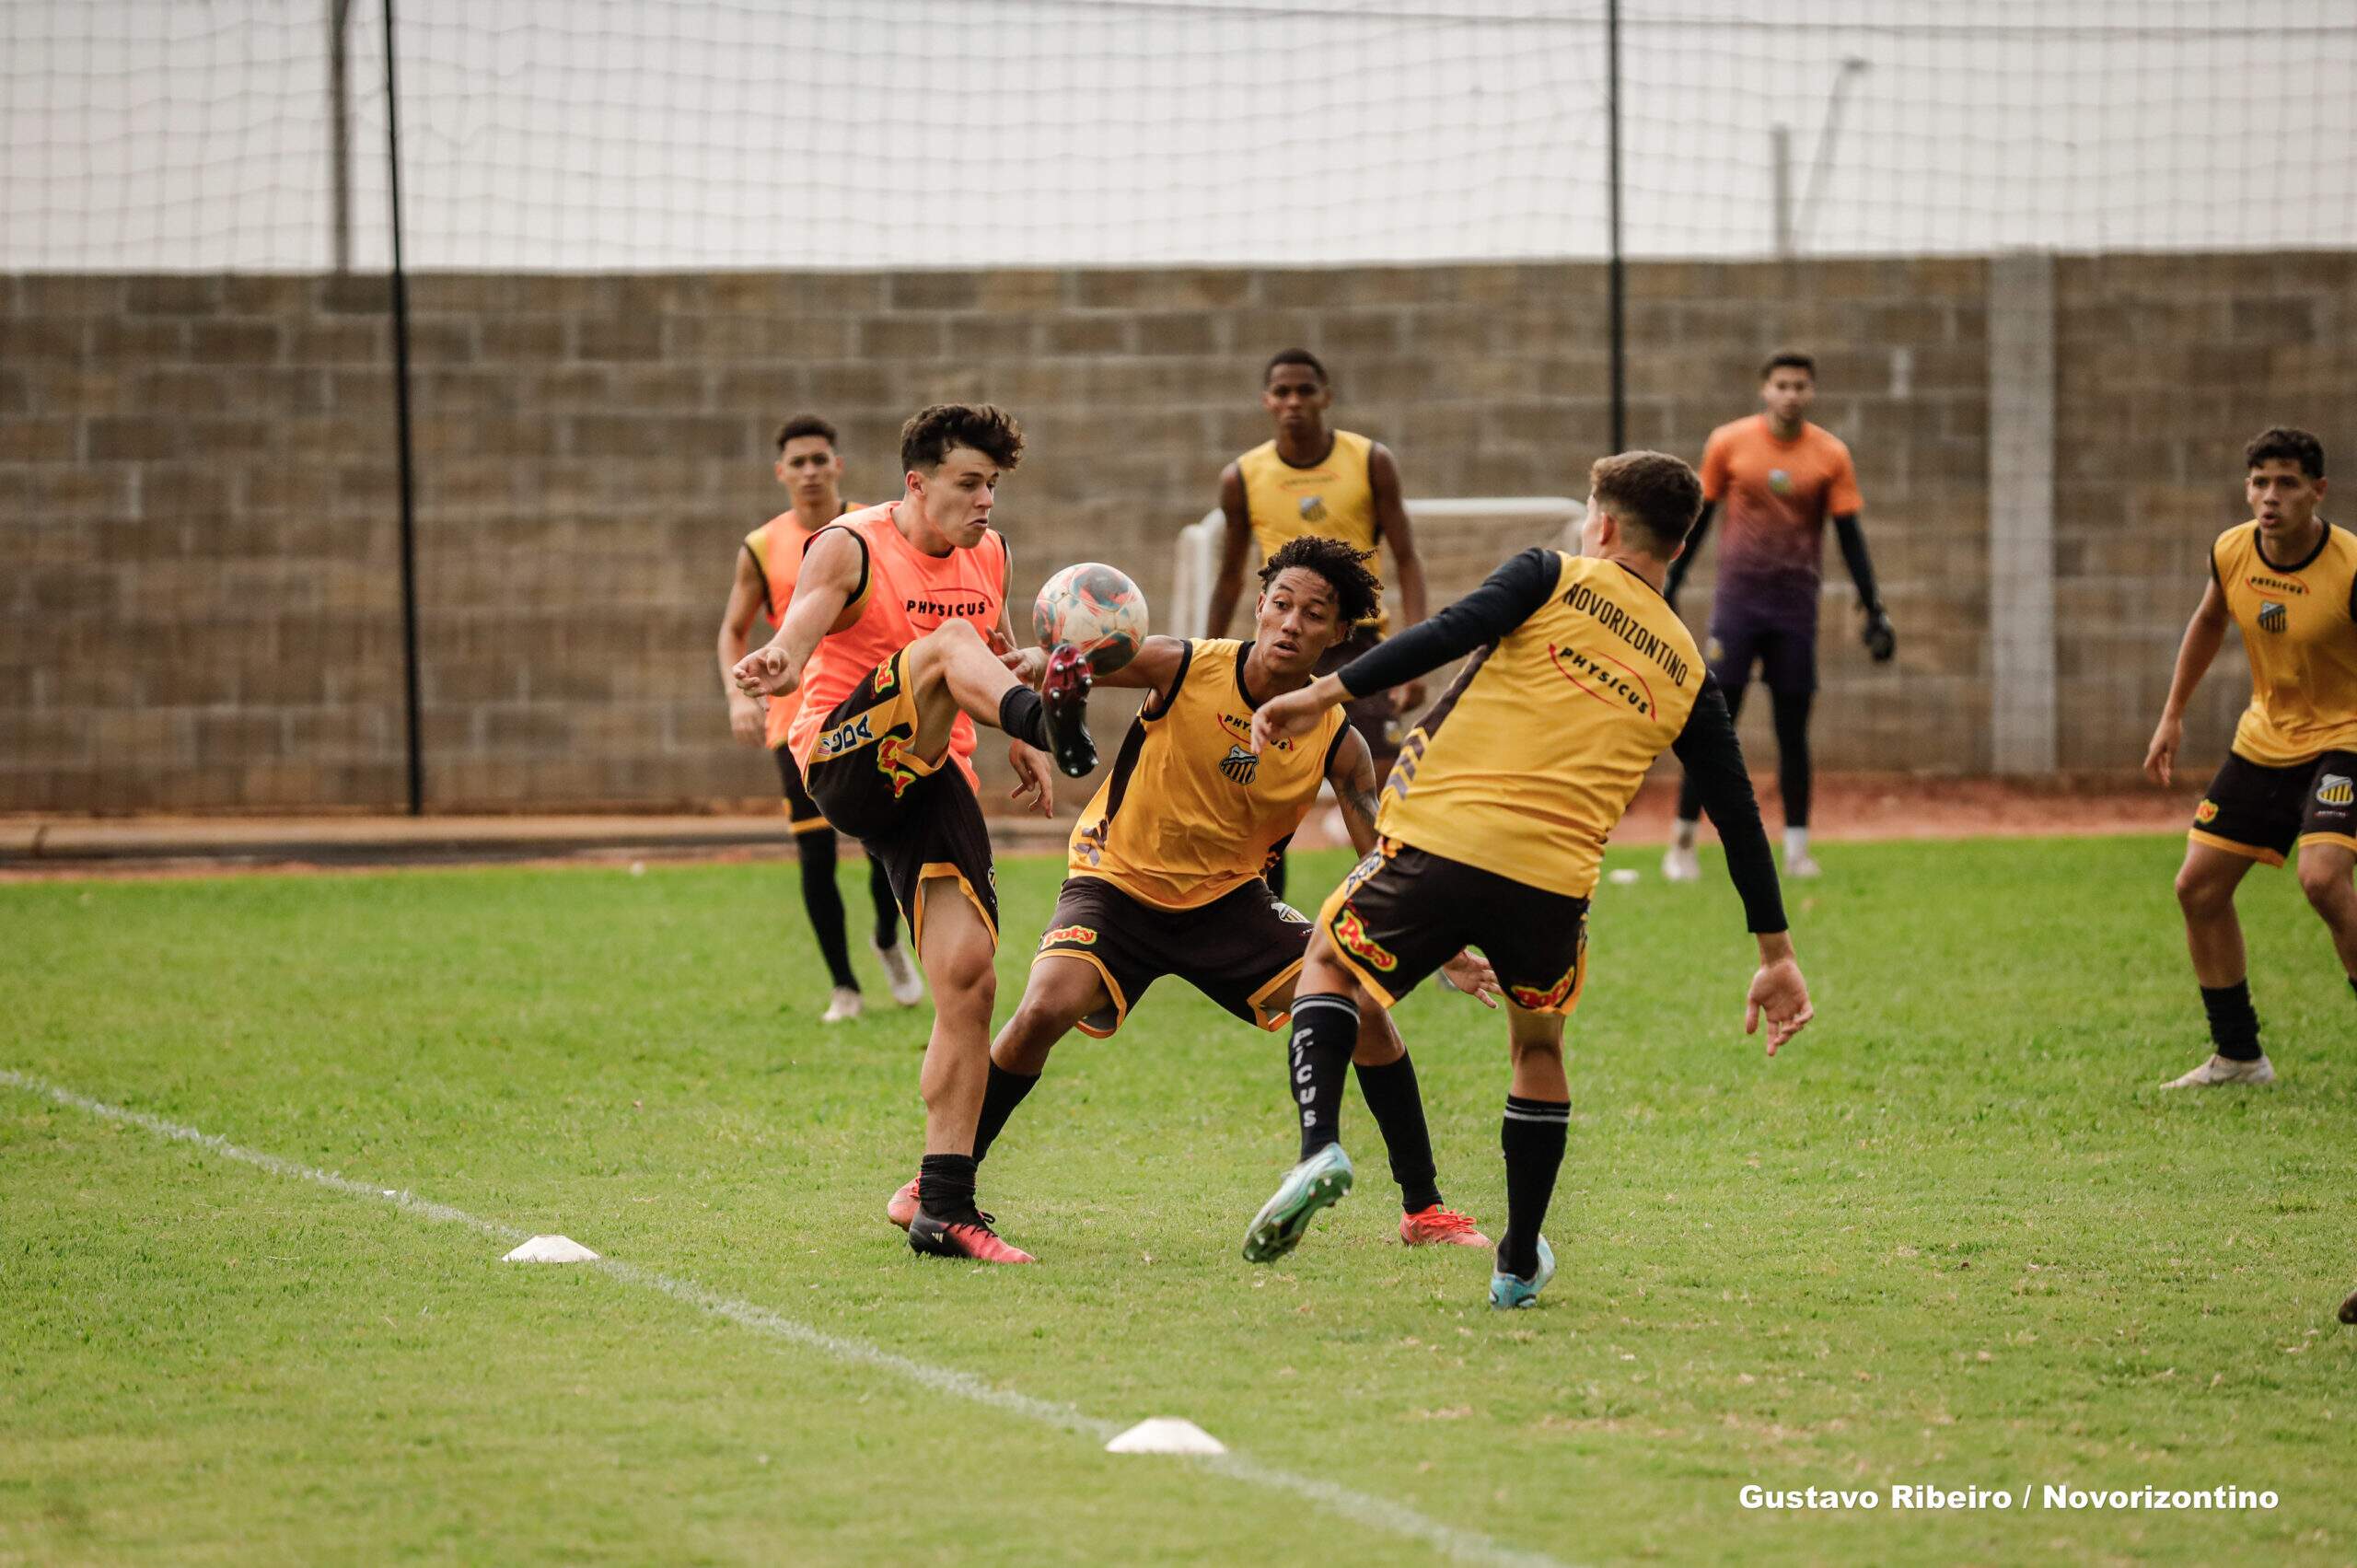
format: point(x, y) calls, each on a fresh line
point(400, 406)
point(1616, 284)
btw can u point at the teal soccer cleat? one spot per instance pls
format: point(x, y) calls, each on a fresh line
point(1318, 1182)
point(1510, 1291)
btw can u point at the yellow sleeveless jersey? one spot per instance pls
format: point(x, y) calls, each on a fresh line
point(1334, 496)
point(1188, 814)
point(2299, 626)
point(1525, 766)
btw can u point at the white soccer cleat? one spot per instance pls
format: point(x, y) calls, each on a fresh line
point(843, 1006)
point(901, 974)
point(1803, 866)
point(2220, 1070)
point(1680, 864)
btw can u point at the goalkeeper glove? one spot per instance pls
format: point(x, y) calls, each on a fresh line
point(1880, 639)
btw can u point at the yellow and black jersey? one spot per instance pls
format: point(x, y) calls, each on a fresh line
point(1333, 496)
point(1585, 676)
point(1188, 812)
point(2299, 626)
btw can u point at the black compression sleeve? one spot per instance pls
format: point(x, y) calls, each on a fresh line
point(1694, 548)
point(1713, 760)
point(1853, 551)
point(1482, 617)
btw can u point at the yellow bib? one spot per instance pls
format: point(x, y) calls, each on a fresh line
point(2299, 626)
point(1334, 498)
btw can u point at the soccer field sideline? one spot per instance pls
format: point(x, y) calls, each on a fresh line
point(1357, 1507)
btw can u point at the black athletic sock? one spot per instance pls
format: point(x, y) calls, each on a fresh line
point(2233, 1025)
point(946, 1187)
point(1532, 1137)
point(888, 910)
point(1325, 1031)
point(1399, 1112)
point(1276, 880)
point(1790, 712)
point(1003, 1093)
point(824, 902)
point(1023, 715)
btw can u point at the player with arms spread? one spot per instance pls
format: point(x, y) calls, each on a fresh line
point(1167, 865)
point(1312, 479)
point(1780, 478)
point(811, 470)
point(1495, 819)
point(890, 639)
point(2288, 579)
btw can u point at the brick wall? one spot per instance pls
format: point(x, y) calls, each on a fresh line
point(197, 483)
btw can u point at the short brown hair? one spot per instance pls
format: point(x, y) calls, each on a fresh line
point(803, 424)
point(1788, 359)
point(1652, 492)
point(931, 434)
point(2290, 446)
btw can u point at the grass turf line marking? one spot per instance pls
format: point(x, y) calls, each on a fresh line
point(1357, 1507)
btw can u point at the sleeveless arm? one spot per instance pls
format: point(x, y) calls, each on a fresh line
point(1228, 583)
point(1508, 600)
point(1713, 760)
point(1391, 528)
point(1350, 768)
point(1158, 668)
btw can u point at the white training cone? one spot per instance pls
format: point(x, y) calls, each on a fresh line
point(550, 1249)
point(1165, 1435)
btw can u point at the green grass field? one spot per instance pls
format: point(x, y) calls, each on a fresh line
point(1953, 1236)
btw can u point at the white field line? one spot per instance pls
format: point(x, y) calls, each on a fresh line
point(1357, 1508)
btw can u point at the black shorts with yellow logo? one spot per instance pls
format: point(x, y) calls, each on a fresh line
point(1243, 949)
point(919, 817)
point(802, 813)
point(2263, 812)
point(1402, 914)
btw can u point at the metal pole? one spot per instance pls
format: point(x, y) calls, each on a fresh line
point(340, 129)
point(1779, 151)
point(1617, 284)
point(400, 405)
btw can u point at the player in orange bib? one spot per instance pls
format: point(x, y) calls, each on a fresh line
point(2288, 579)
point(897, 641)
point(811, 470)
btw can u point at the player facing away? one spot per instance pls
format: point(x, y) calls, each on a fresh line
point(1167, 864)
point(811, 470)
point(890, 638)
point(1312, 479)
point(2288, 579)
point(1494, 821)
point(1780, 478)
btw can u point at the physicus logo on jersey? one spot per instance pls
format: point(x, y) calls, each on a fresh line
point(2206, 813)
point(1239, 765)
point(1606, 679)
point(2291, 588)
point(1075, 935)
point(1241, 724)
point(2335, 790)
point(2272, 617)
point(1351, 932)
point(845, 738)
point(1780, 482)
point(1312, 508)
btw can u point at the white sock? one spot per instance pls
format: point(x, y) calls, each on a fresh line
point(1684, 837)
point(1796, 843)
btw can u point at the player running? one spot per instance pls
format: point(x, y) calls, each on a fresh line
point(890, 640)
point(1495, 819)
point(2288, 579)
point(811, 470)
point(1311, 479)
point(1167, 865)
point(1780, 478)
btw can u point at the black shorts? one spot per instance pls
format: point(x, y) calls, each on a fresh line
point(1243, 949)
point(1402, 914)
point(1375, 715)
point(920, 819)
point(802, 813)
point(1784, 648)
point(2263, 812)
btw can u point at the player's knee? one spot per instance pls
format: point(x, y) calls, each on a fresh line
point(2327, 887)
point(964, 974)
point(2201, 896)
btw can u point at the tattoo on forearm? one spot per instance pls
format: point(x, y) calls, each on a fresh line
point(1363, 801)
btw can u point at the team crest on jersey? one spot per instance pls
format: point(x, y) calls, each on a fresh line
point(2206, 813)
point(1075, 935)
point(2272, 616)
point(1240, 764)
point(1780, 482)
point(2333, 789)
point(1287, 912)
point(1312, 508)
point(847, 736)
point(1351, 932)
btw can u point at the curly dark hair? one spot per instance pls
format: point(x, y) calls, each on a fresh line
point(2290, 444)
point(1357, 593)
point(931, 434)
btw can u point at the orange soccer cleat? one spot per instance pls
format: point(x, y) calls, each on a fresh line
point(903, 1205)
point(971, 1238)
point(1439, 1226)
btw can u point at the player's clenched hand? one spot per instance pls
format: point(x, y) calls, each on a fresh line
point(1037, 789)
point(766, 672)
point(1471, 973)
point(1779, 994)
point(1027, 665)
point(1282, 718)
point(746, 720)
point(2160, 758)
point(1880, 639)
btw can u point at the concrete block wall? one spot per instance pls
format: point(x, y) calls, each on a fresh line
point(197, 483)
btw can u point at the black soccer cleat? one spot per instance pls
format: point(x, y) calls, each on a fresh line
point(1064, 692)
point(972, 1240)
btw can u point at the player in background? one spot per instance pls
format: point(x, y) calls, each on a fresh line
point(1312, 479)
point(811, 470)
point(1780, 478)
point(898, 639)
point(1167, 864)
point(2288, 579)
point(1493, 825)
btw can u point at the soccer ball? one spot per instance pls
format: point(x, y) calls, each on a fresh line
point(1095, 608)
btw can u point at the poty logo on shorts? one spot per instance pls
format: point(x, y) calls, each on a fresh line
point(1351, 932)
point(2335, 790)
point(1077, 936)
point(891, 760)
point(2206, 812)
point(1530, 999)
point(884, 679)
point(846, 737)
point(2272, 617)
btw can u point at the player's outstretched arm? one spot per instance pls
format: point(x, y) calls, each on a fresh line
point(746, 593)
point(2204, 635)
point(1152, 669)
point(1228, 583)
point(834, 574)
